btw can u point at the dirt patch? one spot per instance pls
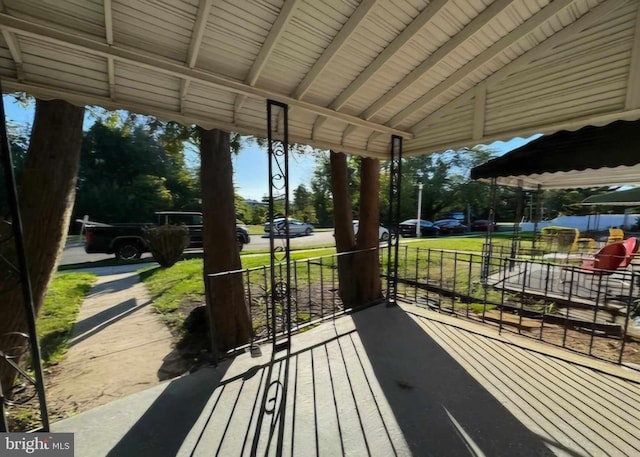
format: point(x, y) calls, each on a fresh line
point(596, 344)
point(119, 346)
point(581, 340)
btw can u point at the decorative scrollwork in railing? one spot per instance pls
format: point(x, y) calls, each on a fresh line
point(275, 393)
point(24, 388)
point(274, 397)
point(395, 172)
point(10, 275)
point(278, 149)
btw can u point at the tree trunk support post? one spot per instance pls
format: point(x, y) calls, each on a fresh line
point(395, 173)
point(278, 150)
point(25, 282)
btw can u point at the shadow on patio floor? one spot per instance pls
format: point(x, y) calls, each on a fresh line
point(439, 407)
point(377, 382)
point(166, 423)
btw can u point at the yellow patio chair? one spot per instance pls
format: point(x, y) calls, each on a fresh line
point(563, 239)
point(586, 244)
point(616, 235)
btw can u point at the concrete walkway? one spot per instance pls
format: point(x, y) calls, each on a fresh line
point(383, 381)
point(118, 345)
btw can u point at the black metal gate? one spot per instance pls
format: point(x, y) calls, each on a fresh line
point(271, 419)
point(279, 243)
point(395, 174)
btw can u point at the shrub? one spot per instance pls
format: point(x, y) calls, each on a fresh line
point(167, 242)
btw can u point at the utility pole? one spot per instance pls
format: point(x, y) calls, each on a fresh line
point(418, 233)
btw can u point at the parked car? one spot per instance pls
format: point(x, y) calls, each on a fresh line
point(427, 228)
point(383, 232)
point(457, 215)
point(482, 225)
point(127, 241)
point(450, 226)
point(296, 227)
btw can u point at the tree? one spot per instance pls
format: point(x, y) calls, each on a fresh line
point(358, 273)
point(258, 215)
point(127, 172)
point(229, 317)
point(243, 211)
point(446, 185)
point(228, 314)
point(301, 198)
point(567, 201)
point(46, 193)
point(321, 187)
point(303, 205)
point(278, 205)
point(19, 143)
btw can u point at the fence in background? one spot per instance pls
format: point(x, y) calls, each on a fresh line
point(549, 300)
point(591, 312)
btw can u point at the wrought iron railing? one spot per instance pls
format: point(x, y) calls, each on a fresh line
point(590, 311)
point(554, 302)
point(314, 295)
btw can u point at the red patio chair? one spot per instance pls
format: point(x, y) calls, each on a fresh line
point(631, 246)
point(605, 261)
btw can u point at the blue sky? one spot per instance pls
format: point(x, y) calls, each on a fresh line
point(250, 176)
point(251, 167)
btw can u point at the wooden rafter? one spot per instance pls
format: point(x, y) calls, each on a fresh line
point(278, 28)
point(197, 33)
point(14, 47)
point(176, 70)
point(438, 56)
point(108, 35)
point(330, 52)
point(490, 53)
point(405, 36)
point(522, 61)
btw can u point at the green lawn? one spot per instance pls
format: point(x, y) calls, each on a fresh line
point(255, 229)
point(465, 243)
point(183, 281)
point(59, 313)
point(172, 286)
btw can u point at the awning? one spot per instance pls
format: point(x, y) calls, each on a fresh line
point(440, 73)
point(589, 157)
point(630, 197)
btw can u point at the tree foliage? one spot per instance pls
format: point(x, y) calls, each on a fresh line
point(566, 202)
point(446, 185)
point(128, 171)
point(302, 206)
point(19, 143)
point(321, 198)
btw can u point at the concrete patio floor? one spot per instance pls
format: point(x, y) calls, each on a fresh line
point(383, 381)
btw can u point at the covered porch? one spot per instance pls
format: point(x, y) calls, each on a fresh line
point(380, 79)
point(383, 381)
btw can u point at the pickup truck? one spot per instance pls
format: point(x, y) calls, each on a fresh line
point(127, 241)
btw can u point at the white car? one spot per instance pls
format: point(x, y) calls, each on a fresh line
point(383, 232)
point(296, 227)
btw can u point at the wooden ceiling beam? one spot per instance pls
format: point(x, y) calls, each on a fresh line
point(169, 67)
